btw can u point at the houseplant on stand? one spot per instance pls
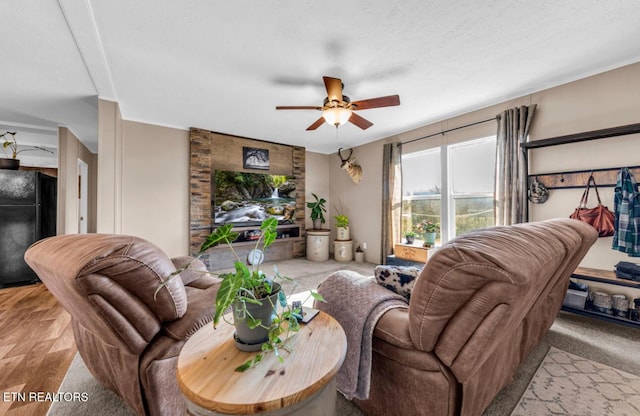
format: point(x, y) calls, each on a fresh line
point(342, 224)
point(317, 211)
point(263, 319)
point(13, 163)
point(342, 227)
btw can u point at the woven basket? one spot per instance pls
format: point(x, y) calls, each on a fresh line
point(602, 302)
point(620, 305)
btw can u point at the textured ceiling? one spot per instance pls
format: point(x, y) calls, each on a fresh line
point(225, 65)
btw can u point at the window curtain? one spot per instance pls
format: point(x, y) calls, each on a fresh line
point(511, 206)
point(391, 198)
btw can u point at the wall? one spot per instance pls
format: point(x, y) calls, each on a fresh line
point(70, 149)
point(317, 181)
point(605, 100)
point(143, 186)
point(109, 213)
point(155, 185)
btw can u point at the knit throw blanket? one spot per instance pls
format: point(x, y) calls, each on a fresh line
point(356, 302)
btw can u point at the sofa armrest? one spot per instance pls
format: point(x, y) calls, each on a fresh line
point(393, 328)
point(194, 269)
point(202, 307)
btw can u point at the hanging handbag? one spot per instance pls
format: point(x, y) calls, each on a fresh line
point(599, 217)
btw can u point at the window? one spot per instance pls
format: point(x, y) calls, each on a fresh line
point(451, 185)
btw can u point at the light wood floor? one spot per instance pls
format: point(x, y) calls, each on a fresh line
point(36, 347)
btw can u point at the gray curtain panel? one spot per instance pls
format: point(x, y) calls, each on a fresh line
point(391, 197)
point(511, 206)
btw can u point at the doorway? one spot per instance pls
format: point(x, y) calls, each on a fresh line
point(83, 203)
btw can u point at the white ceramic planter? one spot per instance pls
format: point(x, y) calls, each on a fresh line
point(342, 233)
point(343, 250)
point(318, 245)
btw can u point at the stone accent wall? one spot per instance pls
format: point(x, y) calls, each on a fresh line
point(299, 163)
point(204, 145)
point(200, 188)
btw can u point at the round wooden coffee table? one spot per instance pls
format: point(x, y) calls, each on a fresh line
point(302, 384)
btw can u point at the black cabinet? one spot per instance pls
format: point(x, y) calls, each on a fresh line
point(27, 214)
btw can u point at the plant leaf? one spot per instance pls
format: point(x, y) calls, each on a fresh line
point(269, 231)
point(227, 292)
point(317, 296)
point(282, 298)
point(220, 234)
point(253, 323)
point(245, 366)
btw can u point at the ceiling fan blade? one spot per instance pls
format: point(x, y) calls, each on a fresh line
point(316, 124)
point(334, 88)
point(388, 101)
point(297, 107)
point(363, 123)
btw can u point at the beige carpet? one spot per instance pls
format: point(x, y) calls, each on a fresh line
point(566, 384)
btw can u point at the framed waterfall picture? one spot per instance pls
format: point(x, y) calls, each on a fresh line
point(254, 158)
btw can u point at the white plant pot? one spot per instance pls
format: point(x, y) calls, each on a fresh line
point(359, 256)
point(343, 250)
point(342, 233)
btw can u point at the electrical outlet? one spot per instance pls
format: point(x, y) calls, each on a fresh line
point(364, 246)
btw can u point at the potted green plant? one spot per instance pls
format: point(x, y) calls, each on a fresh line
point(9, 141)
point(263, 319)
point(342, 224)
point(429, 230)
point(410, 236)
point(317, 211)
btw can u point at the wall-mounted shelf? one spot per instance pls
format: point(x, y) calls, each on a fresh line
point(584, 136)
point(603, 276)
point(578, 178)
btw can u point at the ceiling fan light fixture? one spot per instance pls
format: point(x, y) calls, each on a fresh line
point(336, 116)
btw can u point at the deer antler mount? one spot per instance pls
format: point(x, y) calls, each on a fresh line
point(350, 166)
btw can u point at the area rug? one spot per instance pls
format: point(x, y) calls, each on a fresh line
point(563, 384)
point(102, 402)
point(566, 384)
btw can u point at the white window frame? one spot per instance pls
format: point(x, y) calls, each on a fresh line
point(447, 197)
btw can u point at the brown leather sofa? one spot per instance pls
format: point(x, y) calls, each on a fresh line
point(479, 306)
point(128, 340)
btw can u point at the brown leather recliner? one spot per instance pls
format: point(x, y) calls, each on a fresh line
point(128, 340)
point(479, 306)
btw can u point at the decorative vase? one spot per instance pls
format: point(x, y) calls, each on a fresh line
point(248, 339)
point(317, 224)
point(342, 233)
point(410, 238)
point(11, 164)
point(430, 238)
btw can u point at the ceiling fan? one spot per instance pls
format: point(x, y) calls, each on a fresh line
point(337, 109)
